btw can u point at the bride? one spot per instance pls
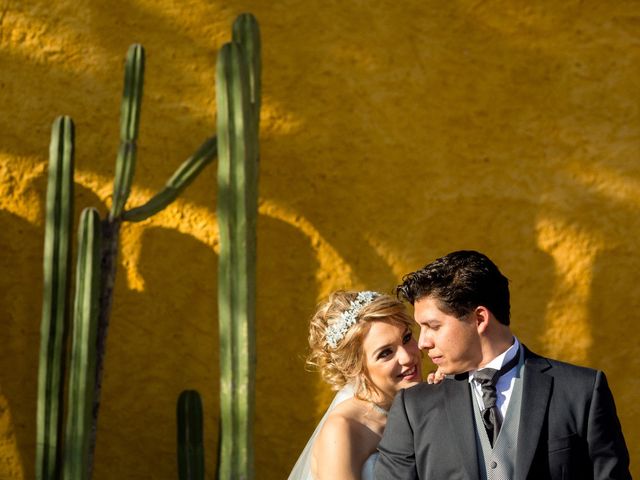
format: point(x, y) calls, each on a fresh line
point(363, 346)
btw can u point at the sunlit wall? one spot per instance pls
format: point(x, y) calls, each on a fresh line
point(392, 133)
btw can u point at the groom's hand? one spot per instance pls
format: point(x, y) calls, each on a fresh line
point(435, 377)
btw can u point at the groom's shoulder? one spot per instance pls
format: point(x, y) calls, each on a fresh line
point(559, 368)
point(425, 392)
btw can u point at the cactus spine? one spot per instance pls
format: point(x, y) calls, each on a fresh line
point(190, 446)
point(55, 305)
point(83, 348)
point(238, 100)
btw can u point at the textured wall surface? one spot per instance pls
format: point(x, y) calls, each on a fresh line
point(392, 133)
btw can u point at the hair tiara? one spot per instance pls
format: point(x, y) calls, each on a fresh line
point(349, 317)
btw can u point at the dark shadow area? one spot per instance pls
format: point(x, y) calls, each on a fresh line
point(150, 26)
point(20, 315)
point(161, 341)
point(482, 225)
point(614, 293)
point(155, 350)
point(371, 269)
point(285, 391)
point(170, 130)
point(34, 105)
point(20, 311)
point(613, 311)
point(450, 132)
point(427, 176)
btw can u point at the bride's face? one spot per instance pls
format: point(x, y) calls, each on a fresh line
point(392, 357)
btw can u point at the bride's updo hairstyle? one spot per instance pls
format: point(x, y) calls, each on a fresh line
point(340, 356)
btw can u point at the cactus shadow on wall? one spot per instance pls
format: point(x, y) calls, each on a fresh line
point(153, 330)
point(614, 307)
point(614, 314)
point(151, 25)
point(20, 339)
point(370, 268)
point(529, 269)
point(170, 130)
point(34, 107)
point(178, 110)
point(610, 214)
point(285, 391)
point(162, 340)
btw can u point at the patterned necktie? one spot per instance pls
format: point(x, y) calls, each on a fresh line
point(487, 379)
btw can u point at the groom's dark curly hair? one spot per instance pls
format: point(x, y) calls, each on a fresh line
point(460, 281)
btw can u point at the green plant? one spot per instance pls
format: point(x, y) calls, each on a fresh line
point(55, 302)
point(238, 100)
point(238, 96)
point(190, 446)
point(83, 348)
point(95, 277)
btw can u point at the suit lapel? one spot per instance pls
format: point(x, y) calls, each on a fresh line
point(458, 406)
point(536, 390)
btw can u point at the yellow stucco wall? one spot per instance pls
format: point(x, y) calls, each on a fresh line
point(392, 133)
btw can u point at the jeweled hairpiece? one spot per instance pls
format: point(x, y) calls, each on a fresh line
point(349, 317)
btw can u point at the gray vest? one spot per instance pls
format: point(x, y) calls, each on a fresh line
point(499, 463)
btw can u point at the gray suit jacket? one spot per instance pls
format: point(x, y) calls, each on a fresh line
point(569, 429)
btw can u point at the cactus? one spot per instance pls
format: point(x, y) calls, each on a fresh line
point(129, 121)
point(238, 92)
point(94, 284)
point(83, 348)
point(238, 100)
point(55, 304)
point(247, 33)
point(182, 177)
point(190, 446)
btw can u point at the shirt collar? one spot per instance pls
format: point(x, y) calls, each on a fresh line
point(501, 359)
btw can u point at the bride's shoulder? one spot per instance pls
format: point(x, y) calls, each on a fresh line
point(344, 440)
point(345, 425)
point(343, 418)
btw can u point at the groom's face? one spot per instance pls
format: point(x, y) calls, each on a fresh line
point(452, 343)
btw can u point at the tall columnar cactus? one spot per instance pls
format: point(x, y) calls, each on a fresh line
point(238, 92)
point(55, 303)
point(97, 258)
point(238, 100)
point(190, 446)
point(130, 108)
point(83, 348)
point(129, 122)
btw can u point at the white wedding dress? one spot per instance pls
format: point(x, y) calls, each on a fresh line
point(367, 468)
point(302, 468)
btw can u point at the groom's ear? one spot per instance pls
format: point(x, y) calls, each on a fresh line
point(481, 316)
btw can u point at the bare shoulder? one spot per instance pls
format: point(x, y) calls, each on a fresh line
point(338, 428)
point(343, 444)
point(343, 427)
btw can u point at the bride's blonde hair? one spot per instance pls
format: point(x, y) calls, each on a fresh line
point(345, 363)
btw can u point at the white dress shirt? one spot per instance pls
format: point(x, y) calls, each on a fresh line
point(504, 387)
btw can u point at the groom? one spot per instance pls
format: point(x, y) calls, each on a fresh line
point(508, 413)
